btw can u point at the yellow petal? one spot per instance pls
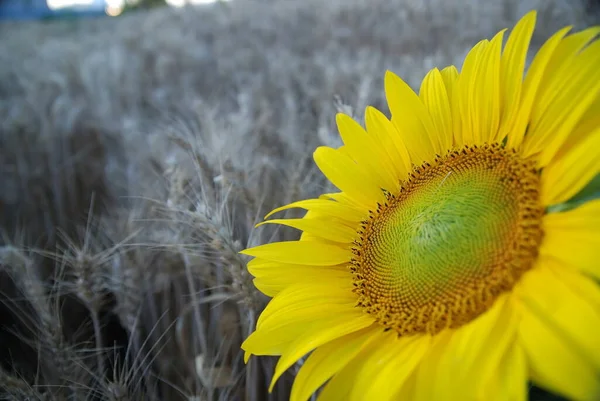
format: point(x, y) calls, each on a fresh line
point(487, 341)
point(484, 99)
point(327, 229)
point(586, 287)
point(450, 77)
point(341, 384)
point(274, 339)
point(310, 237)
point(327, 360)
point(301, 299)
point(272, 277)
point(567, 50)
point(559, 334)
point(298, 309)
point(573, 239)
point(326, 207)
point(378, 124)
point(513, 61)
point(474, 352)
point(347, 176)
point(434, 95)
point(571, 171)
point(567, 100)
point(387, 368)
point(339, 327)
point(428, 368)
point(510, 381)
point(302, 253)
point(588, 124)
point(465, 89)
point(531, 84)
point(342, 198)
point(407, 390)
point(274, 284)
point(412, 120)
point(366, 151)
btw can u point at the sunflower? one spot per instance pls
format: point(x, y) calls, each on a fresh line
point(443, 269)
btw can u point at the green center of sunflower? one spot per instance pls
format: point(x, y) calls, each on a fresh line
point(460, 232)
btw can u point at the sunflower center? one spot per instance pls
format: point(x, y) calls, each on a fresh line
point(458, 234)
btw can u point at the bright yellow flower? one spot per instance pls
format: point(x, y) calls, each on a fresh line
point(441, 271)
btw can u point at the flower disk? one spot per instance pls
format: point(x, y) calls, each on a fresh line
point(460, 232)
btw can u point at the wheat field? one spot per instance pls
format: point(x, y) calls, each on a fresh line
point(137, 153)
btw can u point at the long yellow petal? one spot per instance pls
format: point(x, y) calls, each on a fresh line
point(570, 172)
point(485, 92)
point(327, 360)
point(513, 61)
point(346, 200)
point(429, 367)
point(325, 207)
point(587, 128)
point(572, 238)
point(275, 338)
point(327, 229)
point(298, 309)
point(588, 124)
point(568, 100)
point(450, 76)
point(272, 277)
point(340, 385)
point(474, 352)
point(367, 152)
point(531, 84)
point(309, 237)
point(386, 370)
point(340, 326)
point(586, 287)
point(487, 341)
point(559, 333)
point(434, 95)
point(407, 390)
point(510, 381)
point(465, 89)
point(303, 253)
point(378, 124)
point(347, 176)
point(412, 119)
point(301, 299)
point(568, 49)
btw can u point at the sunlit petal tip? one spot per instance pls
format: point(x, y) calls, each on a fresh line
point(393, 84)
point(271, 213)
point(262, 223)
point(450, 71)
point(528, 18)
point(302, 204)
point(389, 75)
point(321, 149)
point(247, 251)
point(412, 120)
point(349, 177)
point(341, 118)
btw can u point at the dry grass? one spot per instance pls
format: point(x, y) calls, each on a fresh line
point(137, 154)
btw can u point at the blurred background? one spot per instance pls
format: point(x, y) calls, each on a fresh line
point(142, 140)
